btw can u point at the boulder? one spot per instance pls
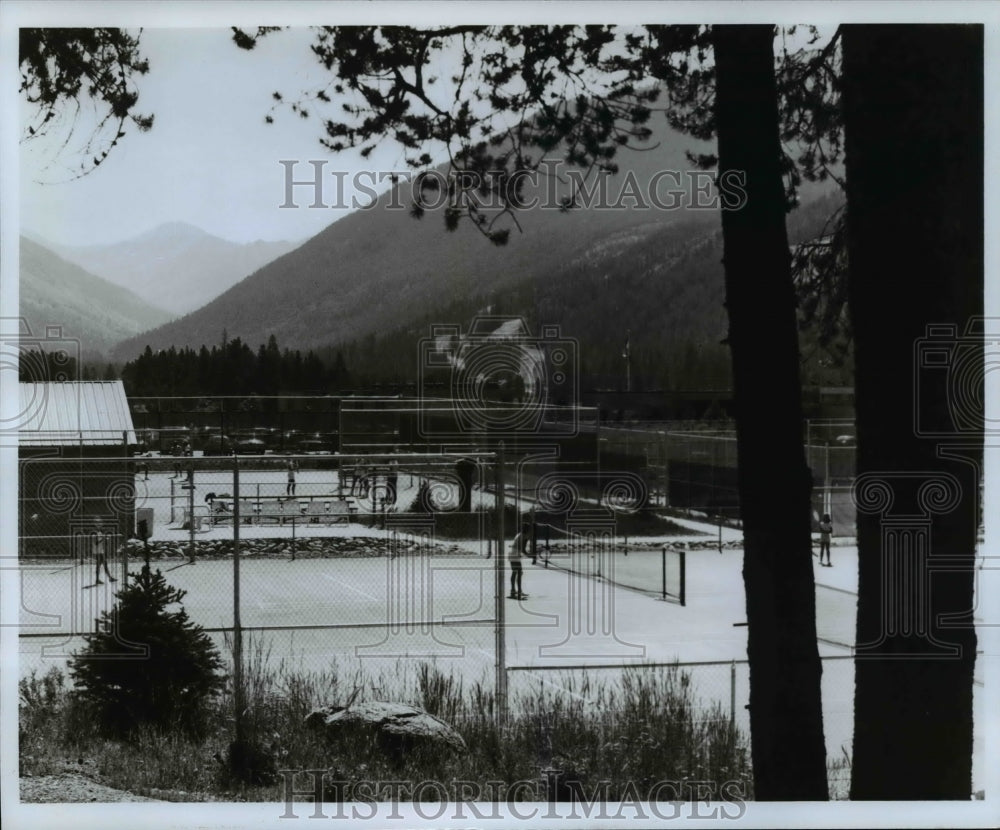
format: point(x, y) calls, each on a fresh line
point(397, 728)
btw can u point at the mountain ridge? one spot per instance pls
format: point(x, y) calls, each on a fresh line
point(55, 292)
point(370, 271)
point(177, 266)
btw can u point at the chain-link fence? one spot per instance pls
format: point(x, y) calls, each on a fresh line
point(361, 560)
point(695, 469)
point(375, 562)
point(219, 424)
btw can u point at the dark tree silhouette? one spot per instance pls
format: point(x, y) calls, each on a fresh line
point(913, 116)
point(62, 69)
point(786, 726)
point(234, 369)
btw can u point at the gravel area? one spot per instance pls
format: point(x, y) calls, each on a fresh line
point(71, 787)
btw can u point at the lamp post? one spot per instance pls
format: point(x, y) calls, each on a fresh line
point(627, 354)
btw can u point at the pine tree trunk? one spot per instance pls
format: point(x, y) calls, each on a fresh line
point(913, 116)
point(786, 719)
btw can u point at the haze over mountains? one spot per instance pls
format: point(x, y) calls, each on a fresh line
point(54, 292)
point(658, 286)
point(378, 269)
point(374, 281)
point(175, 266)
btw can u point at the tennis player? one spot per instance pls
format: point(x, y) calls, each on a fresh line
point(517, 550)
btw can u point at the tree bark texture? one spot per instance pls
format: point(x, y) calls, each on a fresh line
point(913, 119)
point(786, 718)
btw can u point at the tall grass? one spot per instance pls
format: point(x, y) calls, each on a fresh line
point(645, 725)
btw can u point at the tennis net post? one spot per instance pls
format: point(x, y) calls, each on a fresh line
point(681, 593)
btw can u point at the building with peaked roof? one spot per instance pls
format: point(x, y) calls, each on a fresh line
point(75, 439)
point(75, 414)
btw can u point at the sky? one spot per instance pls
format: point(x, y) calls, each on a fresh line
point(210, 160)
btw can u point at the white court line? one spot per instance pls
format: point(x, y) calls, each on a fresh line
point(351, 587)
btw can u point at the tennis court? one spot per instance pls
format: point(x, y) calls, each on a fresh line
point(446, 595)
point(378, 616)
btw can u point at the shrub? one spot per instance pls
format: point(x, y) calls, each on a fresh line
point(147, 664)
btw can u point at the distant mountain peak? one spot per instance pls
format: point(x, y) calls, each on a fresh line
point(177, 266)
point(173, 231)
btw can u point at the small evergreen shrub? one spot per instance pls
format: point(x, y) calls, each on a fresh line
point(148, 664)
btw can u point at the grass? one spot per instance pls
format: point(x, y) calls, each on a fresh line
point(574, 735)
point(838, 773)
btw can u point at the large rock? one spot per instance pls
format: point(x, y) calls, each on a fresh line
point(397, 728)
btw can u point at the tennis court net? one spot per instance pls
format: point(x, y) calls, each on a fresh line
point(654, 571)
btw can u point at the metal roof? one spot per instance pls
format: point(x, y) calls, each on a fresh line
point(74, 413)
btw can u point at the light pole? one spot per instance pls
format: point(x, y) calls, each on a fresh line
point(827, 499)
point(627, 354)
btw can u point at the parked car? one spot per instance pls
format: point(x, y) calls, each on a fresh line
point(216, 445)
point(251, 446)
point(313, 446)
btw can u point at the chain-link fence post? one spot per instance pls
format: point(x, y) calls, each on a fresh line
point(500, 595)
point(123, 551)
point(238, 700)
point(732, 695)
point(122, 537)
point(665, 462)
point(683, 586)
point(663, 572)
point(190, 488)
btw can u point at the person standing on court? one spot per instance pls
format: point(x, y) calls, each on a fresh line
point(188, 453)
point(517, 550)
point(177, 450)
point(101, 557)
point(825, 531)
point(292, 467)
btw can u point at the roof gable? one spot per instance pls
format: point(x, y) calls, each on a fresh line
point(74, 413)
